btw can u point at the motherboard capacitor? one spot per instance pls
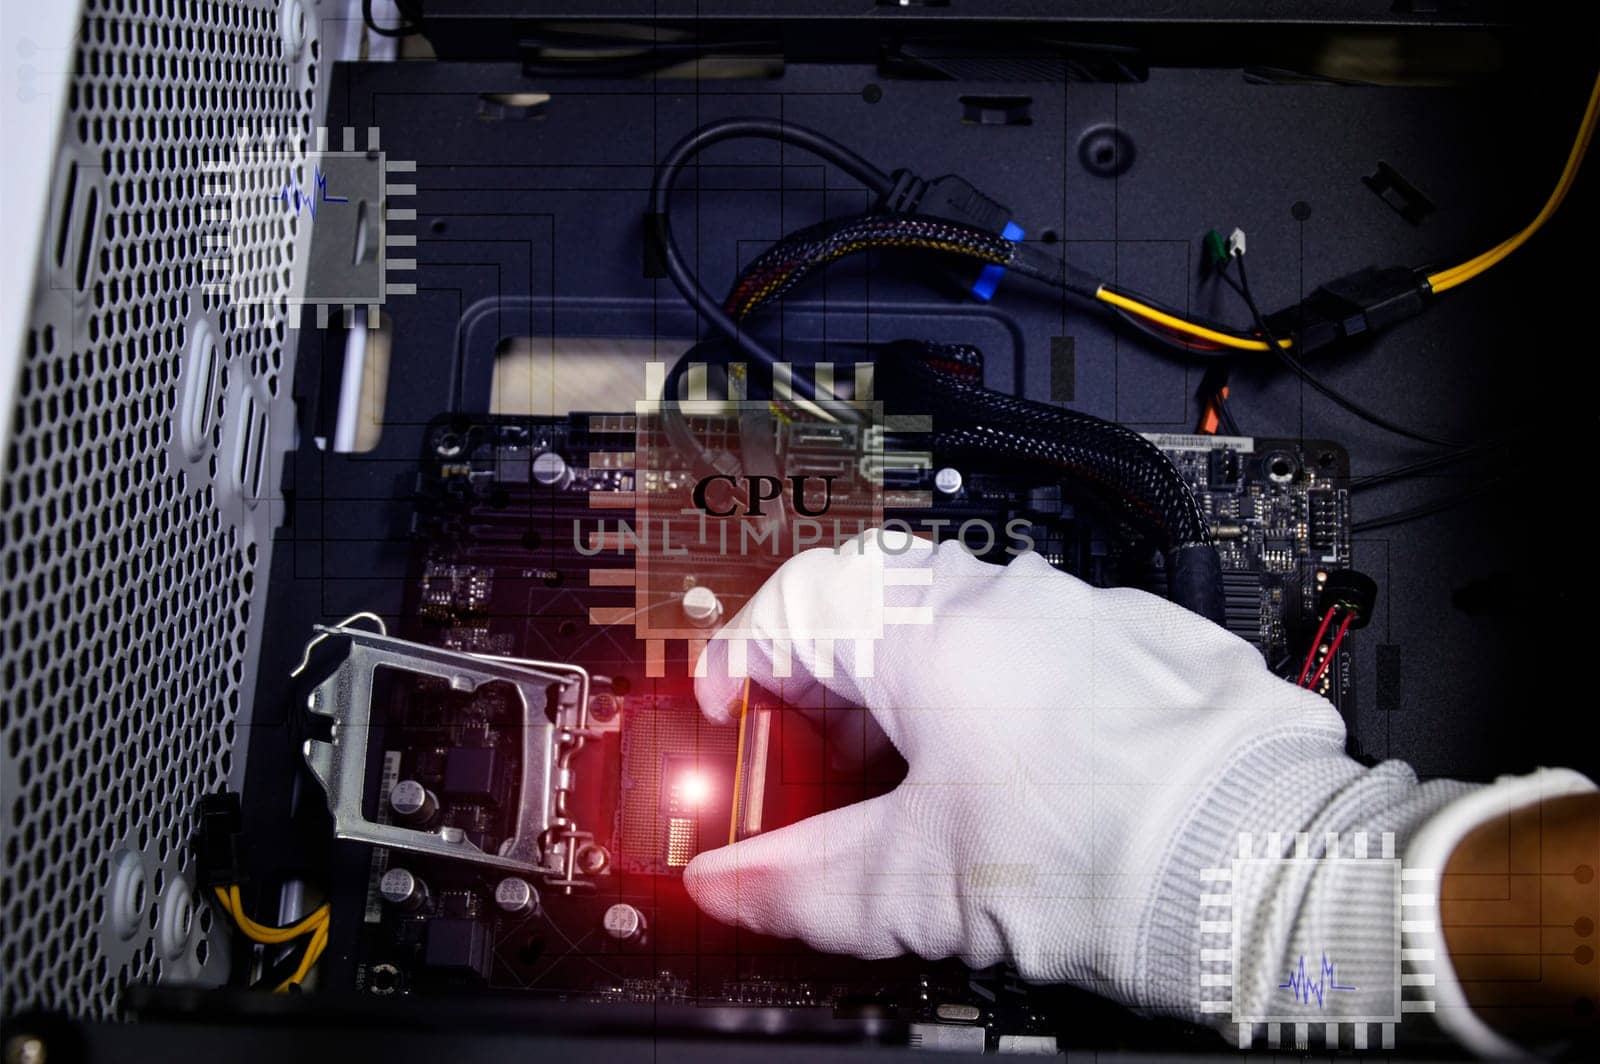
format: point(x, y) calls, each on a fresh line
point(413, 803)
point(400, 888)
point(701, 606)
point(625, 923)
point(550, 470)
point(516, 896)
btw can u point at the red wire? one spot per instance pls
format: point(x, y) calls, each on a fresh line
point(1311, 655)
point(1332, 650)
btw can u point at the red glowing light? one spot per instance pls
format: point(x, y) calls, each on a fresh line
point(693, 788)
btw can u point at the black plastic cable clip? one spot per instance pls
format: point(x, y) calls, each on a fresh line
point(1353, 306)
point(218, 842)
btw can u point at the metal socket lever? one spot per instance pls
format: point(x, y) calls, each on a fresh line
point(340, 765)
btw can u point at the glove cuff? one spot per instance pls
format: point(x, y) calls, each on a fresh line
point(1289, 788)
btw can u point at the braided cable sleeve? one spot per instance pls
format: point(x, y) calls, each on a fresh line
point(971, 420)
point(789, 261)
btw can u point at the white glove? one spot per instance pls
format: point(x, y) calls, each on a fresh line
point(1077, 757)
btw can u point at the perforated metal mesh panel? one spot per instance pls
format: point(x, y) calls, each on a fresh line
point(133, 513)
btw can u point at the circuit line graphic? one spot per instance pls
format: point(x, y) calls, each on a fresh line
point(1303, 986)
point(296, 198)
point(1388, 964)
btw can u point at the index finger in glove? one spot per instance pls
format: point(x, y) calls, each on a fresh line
point(808, 633)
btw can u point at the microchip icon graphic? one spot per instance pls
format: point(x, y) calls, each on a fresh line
point(345, 208)
point(1343, 983)
point(790, 475)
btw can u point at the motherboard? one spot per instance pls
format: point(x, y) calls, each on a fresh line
point(530, 548)
point(1279, 513)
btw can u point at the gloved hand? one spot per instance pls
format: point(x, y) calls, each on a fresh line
point(1076, 757)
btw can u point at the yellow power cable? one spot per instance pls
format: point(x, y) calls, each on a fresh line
point(317, 924)
point(319, 942)
point(1441, 281)
point(1161, 317)
point(1447, 279)
point(233, 905)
